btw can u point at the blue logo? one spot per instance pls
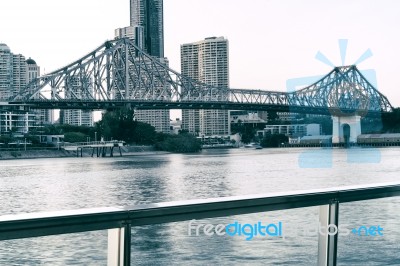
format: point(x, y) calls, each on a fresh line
point(251, 230)
point(368, 231)
point(260, 229)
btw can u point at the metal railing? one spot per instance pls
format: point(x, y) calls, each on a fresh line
point(91, 143)
point(119, 220)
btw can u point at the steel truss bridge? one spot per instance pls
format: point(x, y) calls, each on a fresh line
point(119, 74)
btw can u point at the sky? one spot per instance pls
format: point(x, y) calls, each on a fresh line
point(270, 41)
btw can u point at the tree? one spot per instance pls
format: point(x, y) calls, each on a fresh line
point(74, 137)
point(179, 143)
point(117, 124)
point(62, 129)
point(6, 139)
point(144, 133)
point(273, 140)
point(32, 139)
point(391, 121)
point(121, 125)
point(246, 131)
point(272, 117)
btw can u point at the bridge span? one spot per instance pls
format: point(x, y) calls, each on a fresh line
point(119, 74)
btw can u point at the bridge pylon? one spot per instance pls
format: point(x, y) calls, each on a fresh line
point(346, 129)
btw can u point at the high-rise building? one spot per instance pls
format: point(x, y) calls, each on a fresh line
point(126, 32)
point(206, 61)
point(13, 72)
point(20, 77)
point(33, 69)
point(149, 15)
point(160, 118)
point(77, 117)
point(43, 116)
point(6, 72)
point(14, 75)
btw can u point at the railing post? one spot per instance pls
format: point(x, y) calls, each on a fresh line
point(119, 246)
point(328, 237)
point(114, 247)
point(127, 244)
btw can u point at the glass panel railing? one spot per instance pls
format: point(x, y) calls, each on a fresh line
point(287, 237)
point(88, 248)
point(300, 218)
point(372, 236)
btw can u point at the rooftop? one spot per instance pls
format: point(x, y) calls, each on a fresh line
point(4, 47)
point(30, 61)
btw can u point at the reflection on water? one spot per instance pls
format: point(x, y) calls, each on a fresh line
point(60, 184)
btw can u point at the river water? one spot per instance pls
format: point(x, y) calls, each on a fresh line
point(72, 183)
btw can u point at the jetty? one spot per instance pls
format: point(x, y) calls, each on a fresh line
point(100, 148)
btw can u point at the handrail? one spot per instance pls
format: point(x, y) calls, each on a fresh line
point(74, 221)
point(58, 222)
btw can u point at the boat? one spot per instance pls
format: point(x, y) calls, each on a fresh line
point(253, 146)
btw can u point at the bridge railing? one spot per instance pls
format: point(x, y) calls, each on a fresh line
point(119, 220)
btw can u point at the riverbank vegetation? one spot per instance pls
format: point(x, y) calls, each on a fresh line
point(121, 125)
point(391, 121)
point(273, 140)
point(182, 143)
point(115, 125)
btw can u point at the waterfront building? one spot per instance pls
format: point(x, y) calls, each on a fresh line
point(379, 139)
point(287, 116)
point(248, 117)
point(297, 130)
point(15, 73)
point(206, 61)
point(17, 123)
point(314, 140)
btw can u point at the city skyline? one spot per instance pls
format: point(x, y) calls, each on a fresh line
point(277, 39)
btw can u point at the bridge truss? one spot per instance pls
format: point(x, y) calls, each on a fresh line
point(118, 74)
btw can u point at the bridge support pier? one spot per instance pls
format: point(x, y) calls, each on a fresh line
point(346, 129)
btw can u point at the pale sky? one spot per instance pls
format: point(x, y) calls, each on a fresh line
point(270, 41)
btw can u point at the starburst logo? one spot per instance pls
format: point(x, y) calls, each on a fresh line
point(369, 74)
point(323, 158)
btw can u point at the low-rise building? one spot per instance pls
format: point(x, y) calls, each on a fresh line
point(175, 126)
point(316, 140)
point(51, 139)
point(378, 138)
point(13, 122)
point(296, 130)
point(247, 117)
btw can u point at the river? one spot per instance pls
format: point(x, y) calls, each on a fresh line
point(71, 183)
